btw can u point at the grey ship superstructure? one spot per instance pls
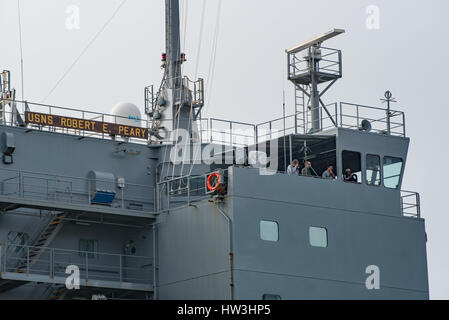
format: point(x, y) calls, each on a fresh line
point(147, 218)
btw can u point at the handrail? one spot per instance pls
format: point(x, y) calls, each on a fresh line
point(71, 109)
point(369, 107)
point(184, 189)
point(73, 190)
point(410, 204)
point(54, 261)
point(343, 115)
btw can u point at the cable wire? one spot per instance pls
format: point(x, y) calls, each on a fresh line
point(200, 39)
point(21, 49)
point(211, 72)
point(84, 50)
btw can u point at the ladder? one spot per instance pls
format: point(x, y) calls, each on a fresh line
point(44, 239)
point(33, 253)
point(300, 110)
point(58, 292)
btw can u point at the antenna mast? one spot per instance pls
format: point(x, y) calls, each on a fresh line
point(309, 65)
point(179, 100)
point(173, 46)
point(176, 106)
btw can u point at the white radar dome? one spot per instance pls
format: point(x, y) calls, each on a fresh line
point(127, 114)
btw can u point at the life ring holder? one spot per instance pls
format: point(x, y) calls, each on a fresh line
point(210, 187)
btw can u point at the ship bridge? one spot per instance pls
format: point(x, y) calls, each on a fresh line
point(370, 141)
point(297, 237)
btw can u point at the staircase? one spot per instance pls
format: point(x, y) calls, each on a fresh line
point(45, 238)
point(58, 293)
point(34, 251)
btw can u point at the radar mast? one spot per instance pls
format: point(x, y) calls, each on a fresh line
point(179, 100)
point(310, 64)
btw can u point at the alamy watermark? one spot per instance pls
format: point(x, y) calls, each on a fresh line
point(72, 282)
point(373, 17)
point(373, 280)
point(73, 20)
point(226, 151)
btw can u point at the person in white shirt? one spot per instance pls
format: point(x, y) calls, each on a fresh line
point(329, 173)
point(293, 169)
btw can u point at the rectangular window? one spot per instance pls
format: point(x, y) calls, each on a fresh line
point(392, 170)
point(88, 246)
point(372, 170)
point(318, 237)
point(352, 166)
point(271, 297)
point(269, 230)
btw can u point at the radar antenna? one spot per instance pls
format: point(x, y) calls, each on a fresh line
point(310, 64)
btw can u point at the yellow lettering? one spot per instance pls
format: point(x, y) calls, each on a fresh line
point(87, 125)
point(63, 122)
point(105, 127)
point(120, 129)
point(126, 131)
point(132, 133)
point(50, 120)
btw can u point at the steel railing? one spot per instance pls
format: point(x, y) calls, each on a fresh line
point(53, 262)
point(342, 115)
point(328, 119)
point(351, 116)
point(231, 133)
point(276, 128)
point(178, 192)
point(410, 204)
point(330, 62)
point(71, 190)
point(240, 134)
point(78, 114)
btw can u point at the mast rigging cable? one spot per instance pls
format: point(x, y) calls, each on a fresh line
point(21, 49)
point(84, 50)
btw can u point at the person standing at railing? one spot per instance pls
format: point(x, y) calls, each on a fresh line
point(329, 173)
point(307, 170)
point(350, 177)
point(293, 169)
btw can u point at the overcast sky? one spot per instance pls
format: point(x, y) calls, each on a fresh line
point(408, 55)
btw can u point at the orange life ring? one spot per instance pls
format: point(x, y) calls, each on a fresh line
point(209, 180)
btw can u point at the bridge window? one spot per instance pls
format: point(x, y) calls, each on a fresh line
point(318, 237)
point(372, 170)
point(88, 246)
point(392, 170)
point(269, 230)
point(352, 160)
